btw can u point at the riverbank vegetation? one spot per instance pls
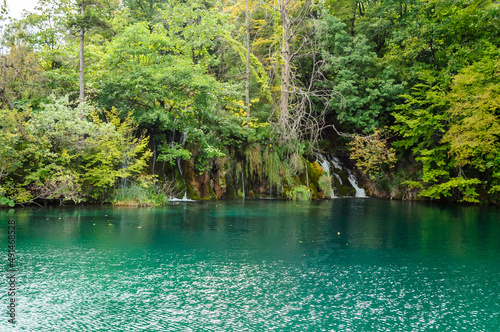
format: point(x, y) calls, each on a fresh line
point(136, 101)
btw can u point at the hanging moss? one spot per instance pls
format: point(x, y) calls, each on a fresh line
point(193, 193)
point(211, 196)
point(253, 161)
point(325, 185)
point(274, 166)
point(314, 190)
point(314, 171)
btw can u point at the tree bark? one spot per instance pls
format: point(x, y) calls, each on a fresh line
point(286, 65)
point(247, 74)
point(3, 97)
point(82, 66)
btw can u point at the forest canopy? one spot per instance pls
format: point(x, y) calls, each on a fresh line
point(140, 100)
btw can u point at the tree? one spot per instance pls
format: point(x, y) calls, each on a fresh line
point(348, 11)
point(88, 18)
point(145, 10)
point(296, 123)
point(67, 153)
point(474, 132)
point(365, 90)
point(23, 83)
point(162, 72)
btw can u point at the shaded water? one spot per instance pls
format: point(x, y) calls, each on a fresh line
point(341, 265)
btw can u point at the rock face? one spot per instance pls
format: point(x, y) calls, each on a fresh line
point(230, 178)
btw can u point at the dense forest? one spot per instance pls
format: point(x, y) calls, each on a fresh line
point(136, 101)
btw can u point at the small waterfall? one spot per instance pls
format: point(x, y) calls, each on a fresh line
point(336, 163)
point(360, 192)
point(326, 164)
point(184, 136)
point(307, 176)
point(182, 174)
point(243, 183)
point(184, 198)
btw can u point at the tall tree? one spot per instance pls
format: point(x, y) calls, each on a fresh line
point(296, 124)
point(89, 17)
point(366, 89)
point(247, 65)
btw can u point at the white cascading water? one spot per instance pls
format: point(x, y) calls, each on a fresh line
point(184, 198)
point(243, 183)
point(360, 192)
point(325, 164)
point(336, 164)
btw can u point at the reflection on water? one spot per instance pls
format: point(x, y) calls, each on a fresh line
point(346, 264)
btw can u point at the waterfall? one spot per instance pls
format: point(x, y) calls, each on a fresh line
point(184, 198)
point(336, 163)
point(360, 192)
point(184, 136)
point(182, 174)
point(326, 164)
point(243, 183)
point(307, 177)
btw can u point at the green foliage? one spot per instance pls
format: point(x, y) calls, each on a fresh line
point(372, 154)
point(139, 194)
point(325, 185)
point(11, 138)
point(474, 108)
point(113, 153)
point(253, 161)
point(144, 10)
point(466, 188)
point(421, 124)
point(256, 67)
point(68, 153)
point(86, 15)
point(300, 193)
point(364, 90)
point(207, 157)
point(172, 73)
point(170, 153)
point(6, 201)
point(455, 134)
point(439, 35)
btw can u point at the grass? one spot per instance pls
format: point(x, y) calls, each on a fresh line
point(138, 195)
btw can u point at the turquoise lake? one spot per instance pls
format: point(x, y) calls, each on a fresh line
point(256, 265)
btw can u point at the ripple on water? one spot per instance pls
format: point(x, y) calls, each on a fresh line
point(178, 294)
point(282, 275)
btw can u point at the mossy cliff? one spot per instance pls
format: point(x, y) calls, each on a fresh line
point(256, 172)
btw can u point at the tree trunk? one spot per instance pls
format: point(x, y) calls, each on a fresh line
point(247, 74)
point(4, 101)
point(286, 65)
point(82, 76)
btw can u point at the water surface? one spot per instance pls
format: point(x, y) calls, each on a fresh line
point(341, 265)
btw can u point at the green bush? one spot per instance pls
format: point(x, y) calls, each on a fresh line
point(300, 193)
point(139, 194)
point(325, 185)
